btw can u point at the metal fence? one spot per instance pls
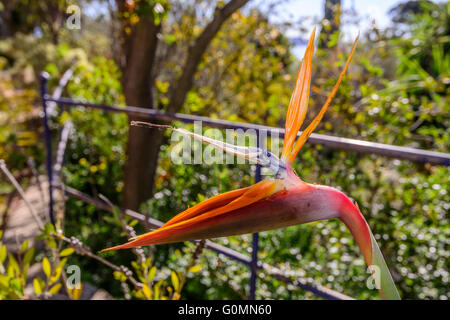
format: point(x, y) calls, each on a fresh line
point(252, 262)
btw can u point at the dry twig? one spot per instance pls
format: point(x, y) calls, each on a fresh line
point(21, 192)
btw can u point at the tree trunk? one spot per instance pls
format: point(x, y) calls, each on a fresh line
point(144, 145)
point(331, 22)
point(139, 49)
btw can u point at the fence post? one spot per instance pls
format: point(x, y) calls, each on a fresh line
point(255, 239)
point(44, 76)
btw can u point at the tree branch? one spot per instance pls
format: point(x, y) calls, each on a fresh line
point(196, 51)
point(21, 192)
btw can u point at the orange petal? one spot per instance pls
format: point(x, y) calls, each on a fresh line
point(299, 100)
point(307, 132)
point(207, 205)
point(251, 195)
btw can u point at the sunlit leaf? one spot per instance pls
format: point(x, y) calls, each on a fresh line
point(175, 280)
point(147, 291)
point(46, 267)
point(52, 243)
point(12, 263)
point(49, 228)
point(28, 256)
point(55, 288)
point(151, 274)
point(24, 246)
point(2, 253)
point(66, 252)
point(37, 286)
point(195, 269)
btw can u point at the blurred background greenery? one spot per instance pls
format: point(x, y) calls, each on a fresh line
point(240, 65)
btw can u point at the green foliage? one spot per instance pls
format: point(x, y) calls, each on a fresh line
point(14, 269)
point(396, 92)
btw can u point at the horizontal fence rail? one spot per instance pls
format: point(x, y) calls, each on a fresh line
point(406, 153)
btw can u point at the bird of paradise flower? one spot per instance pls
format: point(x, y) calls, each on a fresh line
point(283, 201)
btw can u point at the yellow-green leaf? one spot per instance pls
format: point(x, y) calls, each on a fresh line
point(175, 281)
point(10, 271)
point(46, 267)
point(49, 228)
point(195, 269)
point(27, 261)
point(66, 252)
point(62, 263)
point(16, 285)
point(24, 246)
point(133, 223)
point(52, 243)
point(12, 263)
point(64, 117)
point(147, 292)
point(118, 275)
point(2, 253)
point(4, 282)
point(37, 286)
point(56, 275)
point(55, 288)
point(151, 274)
point(156, 288)
point(138, 294)
point(28, 256)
